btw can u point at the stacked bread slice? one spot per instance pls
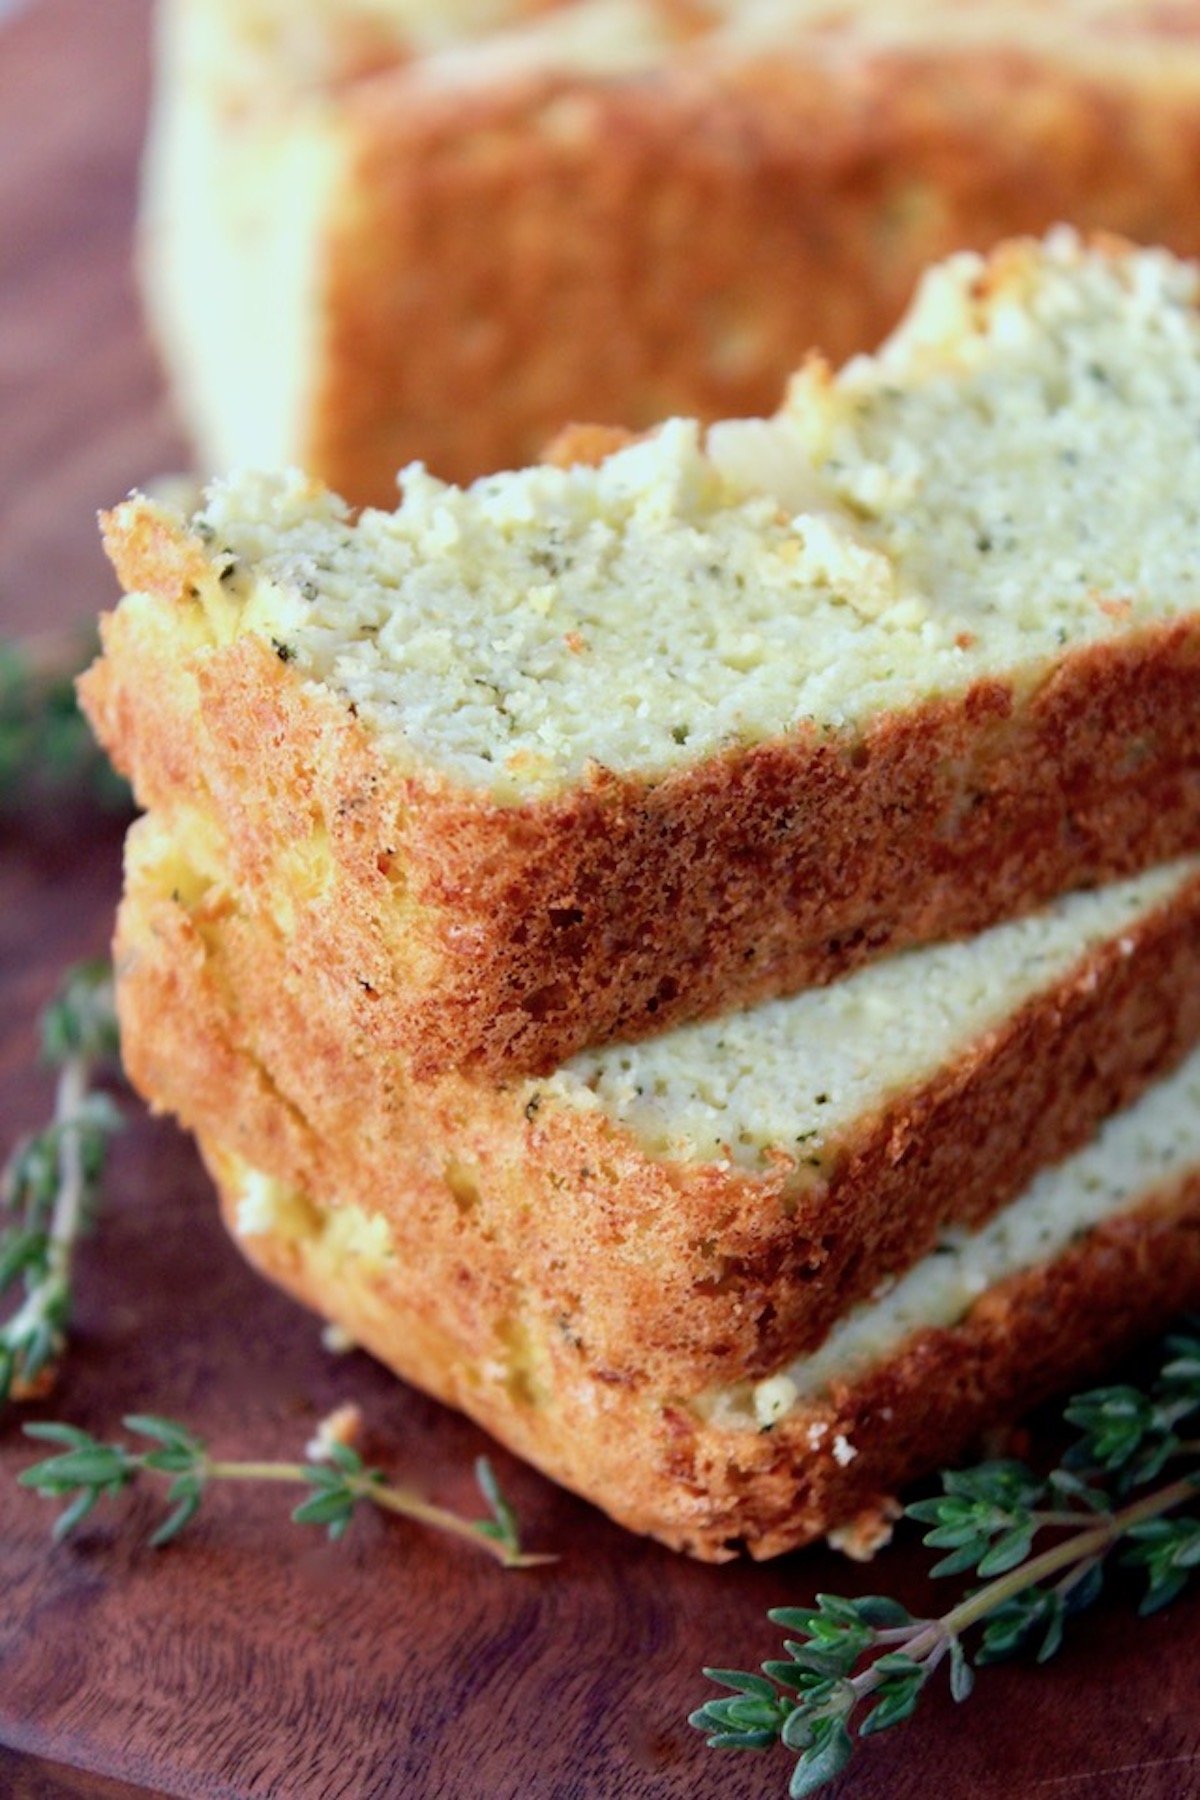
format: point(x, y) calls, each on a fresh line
point(472, 827)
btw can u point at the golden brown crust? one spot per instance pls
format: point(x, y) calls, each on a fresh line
point(620, 250)
point(510, 1200)
point(508, 937)
point(587, 444)
point(718, 1492)
point(148, 552)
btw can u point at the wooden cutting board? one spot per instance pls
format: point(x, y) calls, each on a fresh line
point(252, 1658)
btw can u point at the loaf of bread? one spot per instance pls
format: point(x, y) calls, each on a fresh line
point(735, 1283)
point(578, 753)
point(380, 229)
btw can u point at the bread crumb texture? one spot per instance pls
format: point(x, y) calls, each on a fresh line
point(1152, 1146)
point(790, 1077)
point(1009, 477)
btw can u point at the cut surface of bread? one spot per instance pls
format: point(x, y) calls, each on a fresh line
point(693, 1212)
point(457, 227)
point(579, 753)
point(1097, 1251)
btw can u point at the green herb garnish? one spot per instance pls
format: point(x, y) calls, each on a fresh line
point(857, 1666)
point(87, 1470)
point(46, 745)
point(50, 1185)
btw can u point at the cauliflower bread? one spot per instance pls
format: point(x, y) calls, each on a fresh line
point(1097, 1253)
point(700, 1206)
point(736, 1283)
point(378, 229)
point(584, 752)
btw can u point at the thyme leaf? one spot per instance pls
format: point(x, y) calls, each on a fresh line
point(85, 1470)
point(49, 1188)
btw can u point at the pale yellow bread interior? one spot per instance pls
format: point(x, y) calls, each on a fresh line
point(1012, 477)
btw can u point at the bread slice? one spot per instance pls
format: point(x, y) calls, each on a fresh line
point(373, 231)
point(972, 1338)
point(1097, 1252)
point(581, 753)
point(694, 1211)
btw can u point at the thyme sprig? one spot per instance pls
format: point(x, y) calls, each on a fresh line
point(87, 1470)
point(46, 746)
point(860, 1665)
point(50, 1186)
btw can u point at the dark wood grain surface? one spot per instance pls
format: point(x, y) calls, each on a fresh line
point(252, 1658)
